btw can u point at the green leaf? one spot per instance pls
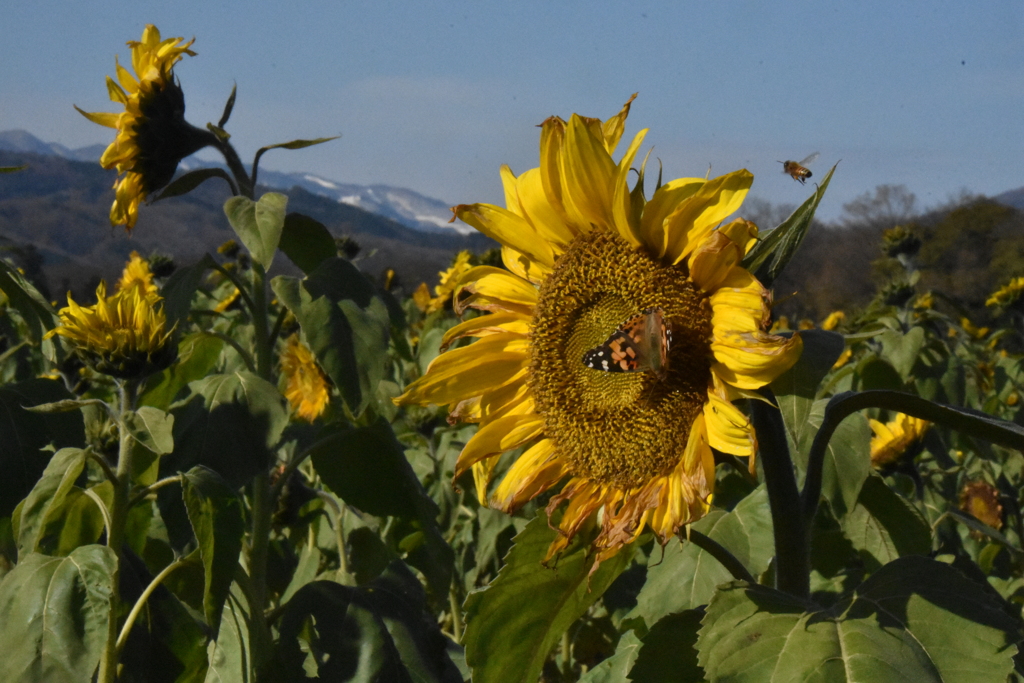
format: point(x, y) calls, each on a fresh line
point(228, 107)
point(294, 144)
point(377, 632)
point(179, 289)
point(369, 344)
point(258, 224)
point(685, 576)
point(55, 615)
point(884, 527)
point(668, 652)
point(216, 515)
point(975, 524)
point(345, 326)
point(615, 668)
point(152, 428)
point(46, 502)
point(847, 461)
point(796, 388)
point(306, 242)
point(197, 356)
point(771, 254)
point(187, 182)
point(514, 622)
point(913, 620)
point(13, 169)
point(902, 350)
point(35, 310)
point(230, 425)
point(230, 655)
point(24, 434)
point(81, 521)
point(367, 468)
point(65, 406)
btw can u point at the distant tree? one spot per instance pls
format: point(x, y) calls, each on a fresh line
point(887, 206)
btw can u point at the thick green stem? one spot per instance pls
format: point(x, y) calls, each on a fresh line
point(720, 553)
point(841, 406)
point(792, 534)
point(245, 183)
point(115, 532)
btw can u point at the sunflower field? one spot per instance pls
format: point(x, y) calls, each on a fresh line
point(594, 454)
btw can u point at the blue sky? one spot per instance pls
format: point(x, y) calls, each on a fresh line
point(434, 96)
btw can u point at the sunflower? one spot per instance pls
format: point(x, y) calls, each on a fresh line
point(447, 280)
point(152, 134)
point(584, 253)
point(306, 387)
point(833, 320)
point(893, 438)
point(137, 273)
point(982, 500)
point(122, 335)
point(1007, 294)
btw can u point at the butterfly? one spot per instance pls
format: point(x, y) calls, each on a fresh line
point(641, 343)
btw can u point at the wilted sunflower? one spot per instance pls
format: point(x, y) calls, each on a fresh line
point(152, 134)
point(893, 438)
point(123, 335)
point(586, 253)
point(306, 387)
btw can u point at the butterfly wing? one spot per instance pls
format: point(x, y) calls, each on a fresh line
point(641, 343)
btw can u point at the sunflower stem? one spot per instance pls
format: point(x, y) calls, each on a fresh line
point(115, 532)
point(843, 405)
point(720, 553)
point(245, 183)
point(792, 533)
point(262, 497)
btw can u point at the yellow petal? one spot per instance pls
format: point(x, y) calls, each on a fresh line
point(535, 207)
point(499, 436)
point(665, 200)
point(487, 325)
point(496, 285)
point(507, 228)
point(695, 217)
point(108, 120)
point(612, 129)
point(739, 304)
point(470, 371)
point(729, 429)
point(536, 470)
point(742, 232)
point(522, 266)
point(753, 359)
point(713, 261)
point(482, 477)
point(588, 174)
point(621, 202)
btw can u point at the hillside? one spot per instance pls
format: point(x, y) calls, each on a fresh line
point(59, 207)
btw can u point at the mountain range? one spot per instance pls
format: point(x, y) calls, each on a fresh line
point(399, 204)
point(55, 211)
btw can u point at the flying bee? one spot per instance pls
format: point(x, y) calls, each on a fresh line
point(798, 170)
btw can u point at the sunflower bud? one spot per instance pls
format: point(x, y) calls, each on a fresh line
point(122, 335)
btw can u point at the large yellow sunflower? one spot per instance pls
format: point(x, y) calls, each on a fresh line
point(585, 253)
point(152, 135)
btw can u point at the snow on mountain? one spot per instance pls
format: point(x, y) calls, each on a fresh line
point(399, 204)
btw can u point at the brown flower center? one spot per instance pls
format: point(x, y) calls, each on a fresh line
point(617, 428)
